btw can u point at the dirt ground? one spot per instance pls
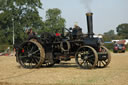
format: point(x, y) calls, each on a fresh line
point(66, 73)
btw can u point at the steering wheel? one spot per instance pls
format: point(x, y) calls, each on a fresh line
point(69, 33)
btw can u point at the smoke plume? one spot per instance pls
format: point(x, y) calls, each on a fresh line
point(87, 4)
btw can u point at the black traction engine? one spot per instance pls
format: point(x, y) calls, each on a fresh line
point(50, 49)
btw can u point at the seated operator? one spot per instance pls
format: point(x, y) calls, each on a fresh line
point(76, 32)
point(30, 34)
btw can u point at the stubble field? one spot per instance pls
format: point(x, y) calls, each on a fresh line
point(66, 73)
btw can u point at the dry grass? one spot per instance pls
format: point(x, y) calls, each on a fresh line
point(65, 73)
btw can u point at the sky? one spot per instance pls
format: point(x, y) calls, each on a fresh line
point(107, 14)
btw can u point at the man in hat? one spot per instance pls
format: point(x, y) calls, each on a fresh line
point(77, 31)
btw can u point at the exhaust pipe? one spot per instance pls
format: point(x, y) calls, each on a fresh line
point(90, 24)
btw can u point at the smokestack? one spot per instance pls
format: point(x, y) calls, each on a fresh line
point(90, 24)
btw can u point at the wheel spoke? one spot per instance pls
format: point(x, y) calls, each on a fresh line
point(87, 64)
point(81, 62)
point(35, 52)
point(84, 64)
point(31, 49)
point(91, 61)
point(103, 63)
point(91, 57)
point(35, 60)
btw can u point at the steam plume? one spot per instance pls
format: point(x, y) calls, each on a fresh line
point(87, 4)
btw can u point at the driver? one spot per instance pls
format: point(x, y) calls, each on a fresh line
point(77, 31)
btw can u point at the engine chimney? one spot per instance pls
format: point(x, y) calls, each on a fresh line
point(90, 24)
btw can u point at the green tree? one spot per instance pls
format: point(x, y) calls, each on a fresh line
point(111, 32)
point(54, 22)
point(122, 30)
point(108, 36)
point(23, 13)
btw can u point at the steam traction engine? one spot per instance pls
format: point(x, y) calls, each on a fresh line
point(50, 49)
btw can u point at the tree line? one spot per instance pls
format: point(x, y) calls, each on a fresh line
point(122, 33)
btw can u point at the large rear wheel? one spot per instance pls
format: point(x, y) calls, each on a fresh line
point(86, 57)
point(31, 54)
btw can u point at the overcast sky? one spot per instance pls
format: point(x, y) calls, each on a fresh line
point(107, 14)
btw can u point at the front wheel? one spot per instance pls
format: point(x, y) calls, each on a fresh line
point(104, 57)
point(86, 57)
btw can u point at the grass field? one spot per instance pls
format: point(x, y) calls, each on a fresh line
point(66, 73)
